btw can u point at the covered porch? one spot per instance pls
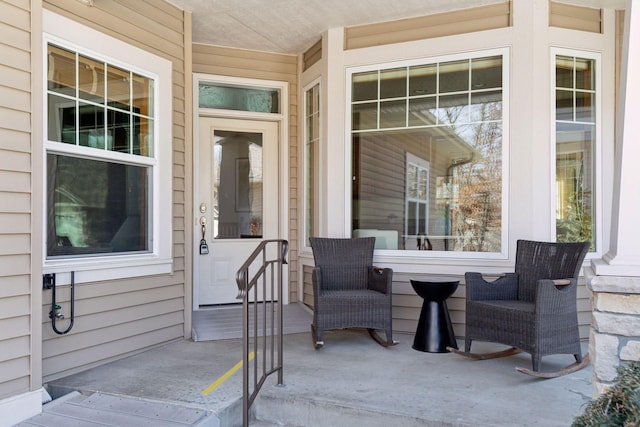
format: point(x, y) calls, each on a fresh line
point(136, 306)
point(350, 381)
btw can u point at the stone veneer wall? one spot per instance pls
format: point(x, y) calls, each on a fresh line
point(615, 326)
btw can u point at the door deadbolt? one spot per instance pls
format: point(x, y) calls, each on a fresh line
point(203, 207)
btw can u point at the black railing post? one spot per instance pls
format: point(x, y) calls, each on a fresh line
point(272, 271)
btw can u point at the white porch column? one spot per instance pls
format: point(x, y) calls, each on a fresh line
point(334, 197)
point(615, 329)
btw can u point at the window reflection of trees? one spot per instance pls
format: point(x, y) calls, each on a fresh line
point(476, 215)
point(450, 115)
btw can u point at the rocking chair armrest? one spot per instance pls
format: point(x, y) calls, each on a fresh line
point(504, 287)
point(380, 279)
point(556, 296)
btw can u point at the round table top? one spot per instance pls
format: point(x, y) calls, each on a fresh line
point(438, 290)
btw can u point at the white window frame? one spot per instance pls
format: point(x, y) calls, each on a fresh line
point(305, 236)
point(506, 117)
point(597, 149)
point(69, 34)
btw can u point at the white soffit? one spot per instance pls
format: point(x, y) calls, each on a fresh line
point(292, 26)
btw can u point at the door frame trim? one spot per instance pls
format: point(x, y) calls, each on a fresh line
point(282, 119)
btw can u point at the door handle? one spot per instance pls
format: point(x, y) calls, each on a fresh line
point(204, 248)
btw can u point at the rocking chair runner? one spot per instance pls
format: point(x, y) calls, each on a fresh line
point(533, 310)
point(348, 291)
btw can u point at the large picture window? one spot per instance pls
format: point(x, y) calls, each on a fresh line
point(449, 115)
point(575, 123)
point(107, 129)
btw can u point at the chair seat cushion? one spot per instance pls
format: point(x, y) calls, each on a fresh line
point(506, 321)
point(355, 301)
point(344, 309)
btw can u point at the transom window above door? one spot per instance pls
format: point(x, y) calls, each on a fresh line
point(226, 96)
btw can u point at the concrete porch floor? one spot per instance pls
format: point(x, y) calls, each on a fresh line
point(350, 381)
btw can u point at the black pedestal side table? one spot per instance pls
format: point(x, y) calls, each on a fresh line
point(435, 331)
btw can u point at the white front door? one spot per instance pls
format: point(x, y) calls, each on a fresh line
point(236, 202)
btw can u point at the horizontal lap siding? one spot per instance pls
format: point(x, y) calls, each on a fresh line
point(122, 317)
point(426, 27)
point(222, 61)
point(15, 198)
point(307, 285)
point(312, 55)
point(575, 17)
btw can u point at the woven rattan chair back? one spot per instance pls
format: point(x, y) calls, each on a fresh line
point(344, 262)
point(546, 260)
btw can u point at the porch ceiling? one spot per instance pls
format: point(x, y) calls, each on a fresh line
point(292, 26)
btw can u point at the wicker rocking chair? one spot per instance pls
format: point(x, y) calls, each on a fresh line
point(348, 292)
point(532, 310)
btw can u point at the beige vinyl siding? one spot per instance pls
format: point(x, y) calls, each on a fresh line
point(15, 199)
point(426, 27)
point(122, 317)
point(149, 316)
point(222, 61)
point(307, 286)
point(575, 17)
point(312, 55)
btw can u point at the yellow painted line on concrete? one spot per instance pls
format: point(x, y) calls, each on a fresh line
point(225, 376)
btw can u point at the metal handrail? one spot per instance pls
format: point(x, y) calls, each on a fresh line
point(267, 271)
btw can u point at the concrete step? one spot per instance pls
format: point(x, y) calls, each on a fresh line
point(272, 409)
point(97, 409)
